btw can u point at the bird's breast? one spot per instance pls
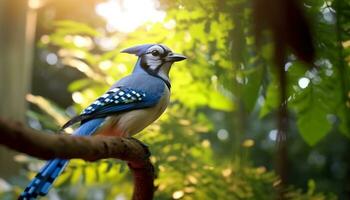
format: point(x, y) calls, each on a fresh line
point(131, 122)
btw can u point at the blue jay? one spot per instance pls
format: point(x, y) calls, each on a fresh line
point(129, 106)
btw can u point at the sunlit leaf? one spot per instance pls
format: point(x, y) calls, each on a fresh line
point(313, 124)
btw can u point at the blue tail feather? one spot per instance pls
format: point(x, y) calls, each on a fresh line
point(43, 181)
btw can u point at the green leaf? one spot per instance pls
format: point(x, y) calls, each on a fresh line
point(51, 108)
point(122, 167)
point(79, 84)
point(312, 105)
point(313, 124)
point(77, 175)
point(220, 102)
point(311, 184)
point(251, 89)
point(267, 51)
point(90, 174)
point(271, 100)
point(64, 178)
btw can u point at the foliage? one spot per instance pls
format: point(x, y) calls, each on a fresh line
point(225, 77)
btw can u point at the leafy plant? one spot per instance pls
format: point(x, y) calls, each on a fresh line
point(226, 82)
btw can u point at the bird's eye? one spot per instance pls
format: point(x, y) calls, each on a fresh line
point(155, 53)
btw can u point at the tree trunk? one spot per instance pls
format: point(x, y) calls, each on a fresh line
point(17, 28)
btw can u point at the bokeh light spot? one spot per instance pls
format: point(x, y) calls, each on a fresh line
point(205, 143)
point(223, 134)
point(35, 4)
point(248, 143)
point(303, 82)
point(105, 65)
point(45, 39)
point(170, 24)
point(81, 41)
point(77, 97)
point(122, 68)
point(127, 15)
point(273, 135)
point(51, 59)
point(226, 172)
point(178, 194)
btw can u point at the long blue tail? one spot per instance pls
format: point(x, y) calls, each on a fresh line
point(43, 181)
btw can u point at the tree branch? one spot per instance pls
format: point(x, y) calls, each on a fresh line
point(49, 146)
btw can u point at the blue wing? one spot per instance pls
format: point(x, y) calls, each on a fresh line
point(116, 100)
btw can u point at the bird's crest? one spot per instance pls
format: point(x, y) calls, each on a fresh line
point(137, 50)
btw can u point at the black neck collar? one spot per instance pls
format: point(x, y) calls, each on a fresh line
point(154, 73)
point(167, 83)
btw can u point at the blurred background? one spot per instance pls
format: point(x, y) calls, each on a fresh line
point(218, 138)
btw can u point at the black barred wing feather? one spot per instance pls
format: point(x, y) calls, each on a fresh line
point(115, 96)
point(116, 100)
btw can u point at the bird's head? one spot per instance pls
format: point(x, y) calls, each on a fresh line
point(155, 59)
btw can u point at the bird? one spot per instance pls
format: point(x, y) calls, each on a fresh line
point(129, 106)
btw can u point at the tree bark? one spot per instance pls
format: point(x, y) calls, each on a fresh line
point(48, 146)
point(17, 30)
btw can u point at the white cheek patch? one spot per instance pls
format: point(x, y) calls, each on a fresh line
point(153, 62)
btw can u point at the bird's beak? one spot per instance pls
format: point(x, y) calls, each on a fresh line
point(174, 57)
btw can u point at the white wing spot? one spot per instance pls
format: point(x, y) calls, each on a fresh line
point(115, 90)
point(117, 96)
point(128, 101)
